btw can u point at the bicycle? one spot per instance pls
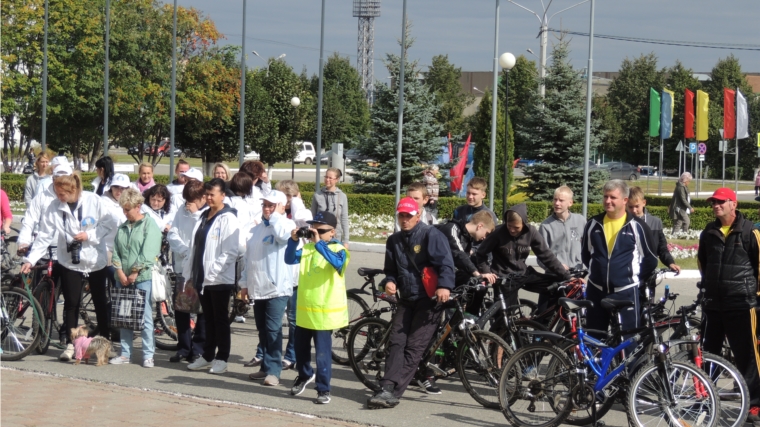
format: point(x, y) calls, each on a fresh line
point(358, 309)
point(47, 293)
point(20, 322)
point(11, 262)
point(665, 388)
point(478, 355)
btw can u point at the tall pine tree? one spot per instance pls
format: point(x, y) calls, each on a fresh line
point(421, 132)
point(554, 128)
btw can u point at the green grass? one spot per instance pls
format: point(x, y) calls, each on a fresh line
point(684, 263)
point(365, 239)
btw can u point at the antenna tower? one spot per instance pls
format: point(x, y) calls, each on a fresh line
point(366, 11)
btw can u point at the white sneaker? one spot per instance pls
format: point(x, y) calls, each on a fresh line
point(239, 319)
point(119, 360)
point(67, 354)
point(148, 363)
point(218, 367)
point(199, 364)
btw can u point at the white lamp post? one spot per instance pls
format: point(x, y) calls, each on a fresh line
point(295, 102)
point(507, 61)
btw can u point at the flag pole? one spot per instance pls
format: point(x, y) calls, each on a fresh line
point(649, 163)
point(659, 169)
point(736, 165)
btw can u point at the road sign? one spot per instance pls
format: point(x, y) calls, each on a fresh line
point(693, 147)
point(680, 146)
point(722, 145)
point(701, 157)
point(702, 149)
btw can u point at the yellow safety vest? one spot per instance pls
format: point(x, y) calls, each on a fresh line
point(322, 303)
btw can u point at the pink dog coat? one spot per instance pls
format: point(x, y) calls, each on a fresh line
point(80, 347)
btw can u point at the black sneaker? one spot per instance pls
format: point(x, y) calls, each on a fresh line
point(299, 385)
point(323, 397)
point(383, 398)
point(428, 385)
point(176, 358)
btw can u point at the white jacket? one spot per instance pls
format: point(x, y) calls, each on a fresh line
point(300, 214)
point(93, 253)
point(177, 202)
point(162, 218)
point(265, 273)
point(180, 236)
point(245, 218)
point(114, 210)
point(221, 252)
point(33, 215)
point(175, 188)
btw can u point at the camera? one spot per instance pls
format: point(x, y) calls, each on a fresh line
point(303, 233)
point(75, 248)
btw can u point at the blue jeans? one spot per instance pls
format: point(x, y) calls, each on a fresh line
point(290, 352)
point(323, 349)
point(268, 314)
point(148, 339)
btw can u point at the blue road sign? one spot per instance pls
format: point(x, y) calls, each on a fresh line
point(692, 147)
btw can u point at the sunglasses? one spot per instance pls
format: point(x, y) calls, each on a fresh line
point(717, 202)
point(323, 230)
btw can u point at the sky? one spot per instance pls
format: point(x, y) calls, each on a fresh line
point(464, 30)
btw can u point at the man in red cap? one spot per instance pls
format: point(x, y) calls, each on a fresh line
point(728, 261)
point(408, 252)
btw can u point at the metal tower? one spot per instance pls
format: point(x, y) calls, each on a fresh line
point(366, 11)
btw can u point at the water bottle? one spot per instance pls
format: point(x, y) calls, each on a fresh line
point(583, 290)
point(667, 291)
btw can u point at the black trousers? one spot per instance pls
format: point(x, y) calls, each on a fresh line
point(71, 290)
point(737, 326)
point(215, 304)
point(412, 328)
point(598, 318)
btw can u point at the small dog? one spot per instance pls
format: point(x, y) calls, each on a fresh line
point(85, 347)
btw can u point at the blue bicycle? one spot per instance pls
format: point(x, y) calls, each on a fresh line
point(542, 384)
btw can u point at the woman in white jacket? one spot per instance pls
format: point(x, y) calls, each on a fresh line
point(269, 282)
point(210, 267)
point(189, 341)
point(110, 199)
point(82, 223)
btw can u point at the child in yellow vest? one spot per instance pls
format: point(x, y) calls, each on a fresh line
point(322, 304)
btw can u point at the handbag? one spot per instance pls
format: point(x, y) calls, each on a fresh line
point(128, 308)
point(428, 274)
point(158, 283)
point(186, 299)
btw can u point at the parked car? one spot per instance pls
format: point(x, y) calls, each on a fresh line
point(306, 153)
point(620, 170)
point(252, 155)
point(526, 163)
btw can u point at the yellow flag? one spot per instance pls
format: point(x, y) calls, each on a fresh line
point(758, 140)
point(703, 99)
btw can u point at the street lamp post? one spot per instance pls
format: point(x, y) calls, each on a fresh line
point(295, 102)
point(242, 95)
point(267, 61)
point(507, 61)
point(494, 103)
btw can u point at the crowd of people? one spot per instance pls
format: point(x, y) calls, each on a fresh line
point(237, 232)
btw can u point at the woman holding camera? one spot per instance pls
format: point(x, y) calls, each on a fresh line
point(82, 222)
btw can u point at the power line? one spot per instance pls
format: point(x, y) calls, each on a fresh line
point(706, 45)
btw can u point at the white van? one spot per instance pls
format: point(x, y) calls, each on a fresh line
point(306, 153)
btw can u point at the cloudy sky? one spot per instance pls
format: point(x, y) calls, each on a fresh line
point(465, 30)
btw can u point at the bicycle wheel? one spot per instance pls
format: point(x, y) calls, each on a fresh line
point(668, 327)
point(695, 400)
point(165, 325)
point(480, 364)
point(528, 395)
point(44, 294)
point(524, 328)
point(582, 412)
point(356, 309)
point(19, 327)
point(367, 349)
point(729, 384)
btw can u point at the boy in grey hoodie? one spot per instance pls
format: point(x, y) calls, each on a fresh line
point(562, 230)
point(331, 199)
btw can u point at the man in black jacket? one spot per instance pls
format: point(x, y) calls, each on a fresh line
point(407, 253)
point(728, 261)
point(462, 236)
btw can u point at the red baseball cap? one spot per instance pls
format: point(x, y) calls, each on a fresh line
point(723, 193)
point(407, 205)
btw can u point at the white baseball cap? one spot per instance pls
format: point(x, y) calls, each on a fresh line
point(59, 160)
point(193, 173)
point(276, 197)
point(62, 169)
point(120, 180)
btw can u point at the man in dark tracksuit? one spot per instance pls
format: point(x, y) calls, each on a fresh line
point(616, 249)
point(728, 262)
point(407, 253)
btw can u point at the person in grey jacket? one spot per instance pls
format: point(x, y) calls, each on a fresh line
point(681, 205)
point(562, 230)
point(33, 181)
point(331, 199)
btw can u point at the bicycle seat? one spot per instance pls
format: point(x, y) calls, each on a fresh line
point(613, 305)
point(575, 304)
point(364, 271)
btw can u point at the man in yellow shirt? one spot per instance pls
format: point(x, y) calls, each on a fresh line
point(616, 249)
